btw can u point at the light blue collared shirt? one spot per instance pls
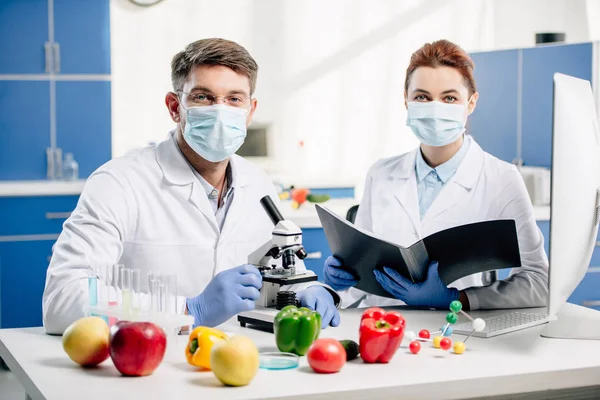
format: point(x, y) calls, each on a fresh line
point(430, 181)
point(212, 193)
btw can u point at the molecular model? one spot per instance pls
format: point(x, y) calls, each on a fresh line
point(443, 339)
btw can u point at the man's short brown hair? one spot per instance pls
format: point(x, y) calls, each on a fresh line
point(213, 52)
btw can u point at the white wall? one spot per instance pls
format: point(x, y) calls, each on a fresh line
point(331, 72)
point(517, 21)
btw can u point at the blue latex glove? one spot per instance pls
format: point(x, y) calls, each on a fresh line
point(319, 299)
point(228, 293)
point(336, 277)
point(430, 293)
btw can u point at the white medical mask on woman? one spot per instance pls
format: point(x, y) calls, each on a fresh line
point(215, 132)
point(436, 124)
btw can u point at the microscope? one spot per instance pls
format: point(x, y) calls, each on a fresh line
point(285, 244)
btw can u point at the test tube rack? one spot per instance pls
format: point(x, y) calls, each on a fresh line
point(168, 321)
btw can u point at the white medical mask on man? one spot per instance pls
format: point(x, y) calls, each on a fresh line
point(215, 132)
point(435, 123)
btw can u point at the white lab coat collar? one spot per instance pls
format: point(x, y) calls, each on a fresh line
point(466, 175)
point(178, 171)
point(470, 168)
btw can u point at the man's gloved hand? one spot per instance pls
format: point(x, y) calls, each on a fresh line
point(228, 293)
point(336, 277)
point(319, 299)
point(430, 293)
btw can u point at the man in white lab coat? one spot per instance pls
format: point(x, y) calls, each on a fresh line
point(187, 206)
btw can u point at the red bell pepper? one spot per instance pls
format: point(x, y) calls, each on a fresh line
point(380, 335)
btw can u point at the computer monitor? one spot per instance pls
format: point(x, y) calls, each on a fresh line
point(574, 205)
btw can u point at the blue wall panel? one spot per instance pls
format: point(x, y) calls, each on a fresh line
point(539, 66)
point(494, 122)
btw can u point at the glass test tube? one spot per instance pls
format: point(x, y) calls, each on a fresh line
point(103, 283)
point(162, 293)
point(103, 275)
point(125, 289)
point(114, 295)
point(135, 289)
point(154, 295)
point(170, 281)
point(150, 278)
point(92, 288)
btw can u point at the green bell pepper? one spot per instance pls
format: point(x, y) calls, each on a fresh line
point(296, 329)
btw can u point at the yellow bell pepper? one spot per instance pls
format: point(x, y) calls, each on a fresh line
point(200, 344)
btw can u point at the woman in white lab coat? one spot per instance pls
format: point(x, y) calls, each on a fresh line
point(448, 181)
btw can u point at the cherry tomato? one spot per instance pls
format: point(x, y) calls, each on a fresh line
point(326, 356)
point(414, 347)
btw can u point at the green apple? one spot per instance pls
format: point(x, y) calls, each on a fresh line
point(235, 361)
point(86, 341)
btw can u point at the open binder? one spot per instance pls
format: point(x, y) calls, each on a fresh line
point(460, 251)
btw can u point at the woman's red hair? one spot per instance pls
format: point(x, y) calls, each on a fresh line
point(443, 53)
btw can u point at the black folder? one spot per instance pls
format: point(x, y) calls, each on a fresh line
point(460, 251)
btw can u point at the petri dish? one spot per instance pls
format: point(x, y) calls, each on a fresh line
point(278, 361)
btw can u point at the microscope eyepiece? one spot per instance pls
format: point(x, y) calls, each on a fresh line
point(271, 209)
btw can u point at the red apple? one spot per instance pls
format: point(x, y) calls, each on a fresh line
point(137, 348)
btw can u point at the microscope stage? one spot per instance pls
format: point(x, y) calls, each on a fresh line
point(260, 318)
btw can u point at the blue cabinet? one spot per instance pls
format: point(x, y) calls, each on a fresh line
point(494, 123)
point(32, 215)
point(588, 292)
point(334, 193)
point(50, 39)
point(29, 227)
point(23, 33)
point(82, 30)
point(545, 229)
point(25, 129)
point(23, 268)
point(83, 120)
point(539, 66)
point(516, 95)
point(316, 246)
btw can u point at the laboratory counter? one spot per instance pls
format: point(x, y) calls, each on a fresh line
point(511, 364)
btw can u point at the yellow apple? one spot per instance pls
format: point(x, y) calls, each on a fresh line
point(235, 361)
point(86, 341)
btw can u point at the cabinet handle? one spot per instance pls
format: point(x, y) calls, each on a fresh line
point(58, 215)
point(593, 270)
point(56, 57)
point(48, 54)
point(315, 255)
point(598, 244)
point(590, 303)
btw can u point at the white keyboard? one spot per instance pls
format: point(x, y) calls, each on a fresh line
point(502, 324)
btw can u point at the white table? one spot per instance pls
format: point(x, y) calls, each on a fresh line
point(514, 363)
